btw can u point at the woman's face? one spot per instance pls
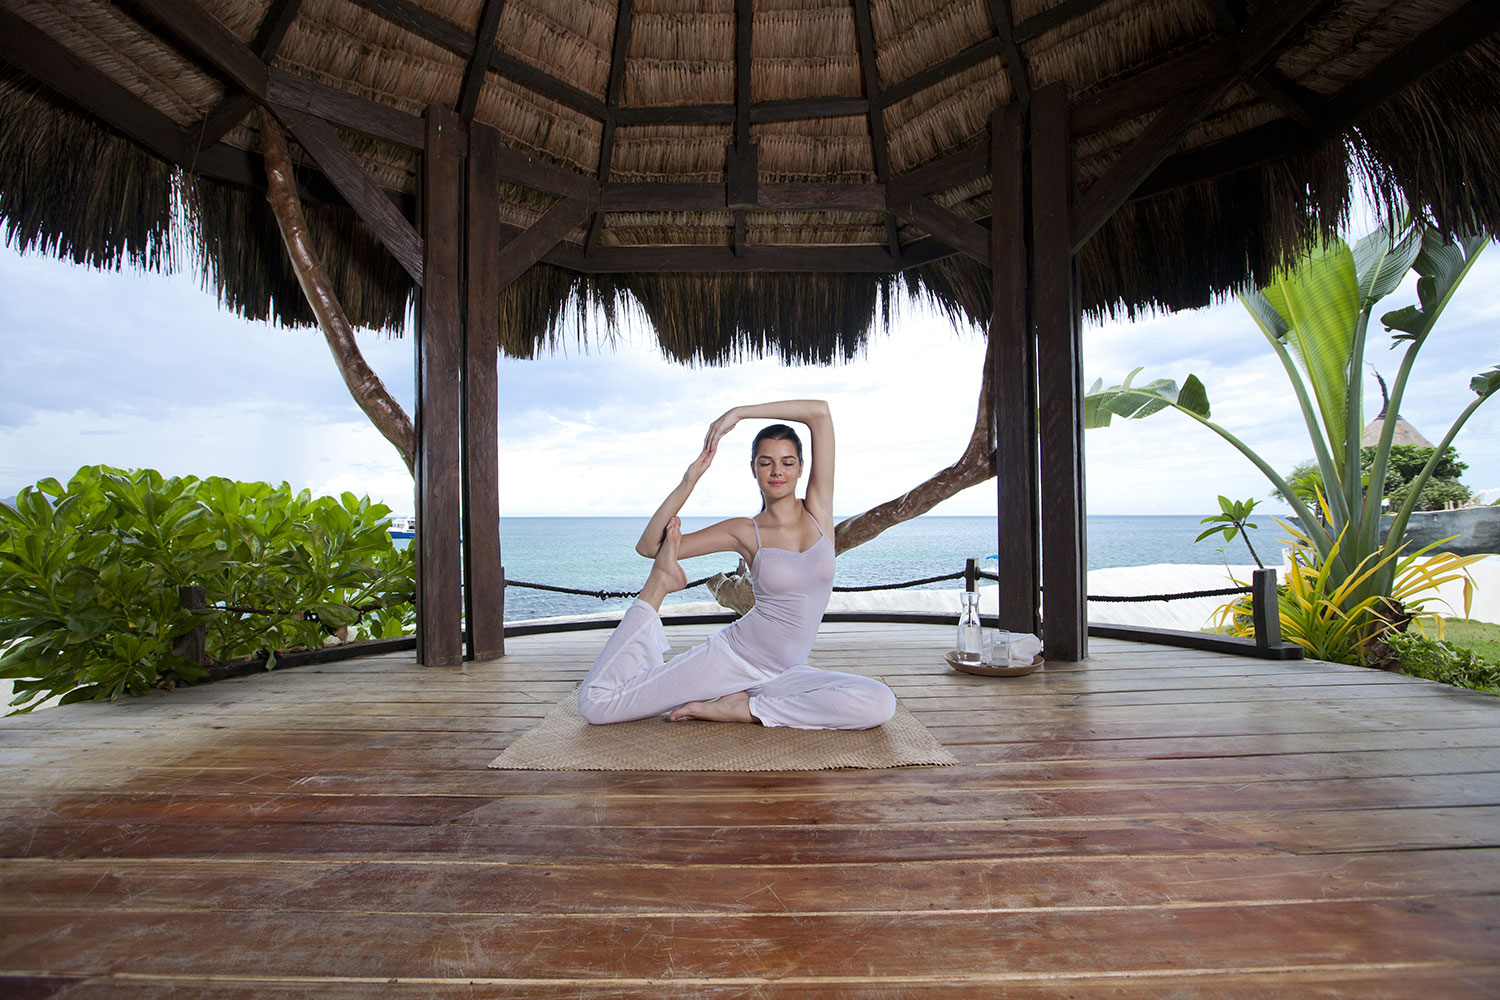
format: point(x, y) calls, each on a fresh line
point(777, 468)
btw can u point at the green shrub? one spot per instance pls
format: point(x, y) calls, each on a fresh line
point(1420, 656)
point(88, 578)
point(1435, 495)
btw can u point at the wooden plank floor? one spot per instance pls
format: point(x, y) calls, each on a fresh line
point(1154, 822)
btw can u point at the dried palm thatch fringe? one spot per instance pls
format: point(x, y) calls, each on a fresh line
point(70, 188)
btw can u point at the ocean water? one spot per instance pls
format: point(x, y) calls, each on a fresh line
point(598, 553)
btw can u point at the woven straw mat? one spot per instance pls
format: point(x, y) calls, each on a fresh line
point(564, 742)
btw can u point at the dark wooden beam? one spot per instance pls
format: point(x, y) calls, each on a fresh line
point(1297, 103)
point(743, 167)
point(631, 196)
point(950, 171)
point(1013, 356)
point(618, 54)
point(439, 373)
point(423, 22)
point(677, 114)
point(544, 234)
point(802, 108)
point(742, 177)
point(1004, 44)
point(744, 34)
point(450, 36)
point(235, 105)
point(37, 54)
point(479, 62)
point(369, 202)
point(969, 238)
point(823, 197)
point(1054, 309)
point(1054, 17)
point(975, 54)
point(794, 109)
point(484, 576)
point(1005, 28)
point(879, 147)
point(1145, 92)
point(534, 172)
point(210, 42)
point(862, 259)
point(1136, 163)
point(1251, 51)
point(547, 85)
point(341, 108)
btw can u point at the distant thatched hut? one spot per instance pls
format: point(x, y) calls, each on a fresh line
point(756, 176)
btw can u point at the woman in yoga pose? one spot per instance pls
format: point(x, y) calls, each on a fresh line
point(754, 670)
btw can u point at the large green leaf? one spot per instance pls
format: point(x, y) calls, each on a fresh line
point(1442, 263)
point(1319, 301)
point(1382, 262)
point(1132, 402)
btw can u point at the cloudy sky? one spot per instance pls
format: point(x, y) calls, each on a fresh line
point(146, 371)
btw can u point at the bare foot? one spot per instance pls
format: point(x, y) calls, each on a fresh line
point(666, 575)
point(730, 708)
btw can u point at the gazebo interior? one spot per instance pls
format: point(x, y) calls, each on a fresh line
point(754, 177)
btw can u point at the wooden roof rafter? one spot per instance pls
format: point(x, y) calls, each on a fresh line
point(479, 59)
point(618, 53)
point(1005, 30)
point(450, 36)
point(879, 145)
point(743, 167)
point(235, 104)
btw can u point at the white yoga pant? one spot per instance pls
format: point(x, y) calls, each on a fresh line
point(630, 681)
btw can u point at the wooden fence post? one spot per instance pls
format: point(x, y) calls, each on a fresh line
point(194, 644)
point(1265, 610)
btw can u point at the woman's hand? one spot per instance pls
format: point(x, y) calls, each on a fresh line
point(699, 465)
point(719, 428)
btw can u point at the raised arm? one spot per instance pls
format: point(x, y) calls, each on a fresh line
point(819, 420)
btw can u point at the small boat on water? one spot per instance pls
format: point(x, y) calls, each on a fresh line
point(402, 526)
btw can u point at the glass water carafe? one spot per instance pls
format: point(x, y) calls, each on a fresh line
point(970, 634)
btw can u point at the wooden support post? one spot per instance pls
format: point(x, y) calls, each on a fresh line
point(484, 579)
point(1013, 421)
point(439, 389)
point(1265, 608)
point(192, 644)
point(1055, 322)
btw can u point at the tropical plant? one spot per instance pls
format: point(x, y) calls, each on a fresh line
point(1233, 519)
point(89, 573)
point(1325, 616)
point(1314, 318)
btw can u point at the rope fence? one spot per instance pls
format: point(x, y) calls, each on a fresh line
point(605, 595)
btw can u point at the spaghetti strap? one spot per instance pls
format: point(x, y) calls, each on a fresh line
point(815, 523)
point(756, 526)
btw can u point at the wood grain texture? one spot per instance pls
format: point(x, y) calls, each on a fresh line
point(439, 379)
point(1148, 822)
point(484, 574)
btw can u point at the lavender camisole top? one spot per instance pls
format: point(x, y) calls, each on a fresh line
point(791, 593)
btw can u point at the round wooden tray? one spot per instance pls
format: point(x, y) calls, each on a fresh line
point(990, 669)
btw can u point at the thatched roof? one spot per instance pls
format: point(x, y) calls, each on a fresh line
point(125, 138)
